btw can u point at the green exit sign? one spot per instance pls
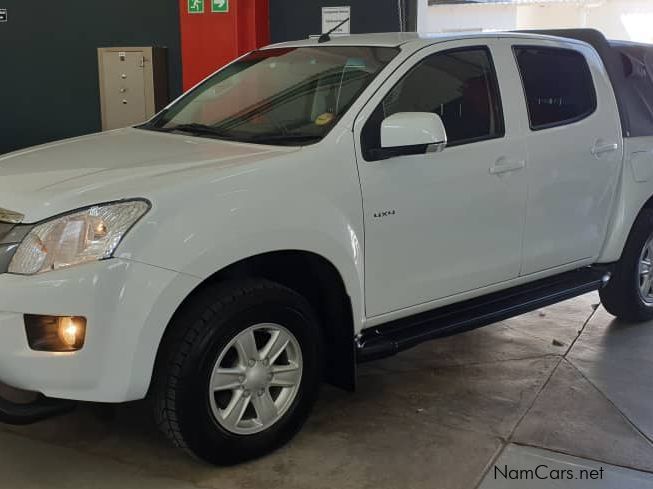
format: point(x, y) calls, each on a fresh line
point(220, 6)
point(195, 6)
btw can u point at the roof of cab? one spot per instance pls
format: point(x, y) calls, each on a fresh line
point(396, 39)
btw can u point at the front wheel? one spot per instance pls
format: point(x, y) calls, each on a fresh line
point(629, 293)
point(240, 371)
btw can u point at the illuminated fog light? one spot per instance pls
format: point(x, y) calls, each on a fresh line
point(69, 331)
point(55, 333)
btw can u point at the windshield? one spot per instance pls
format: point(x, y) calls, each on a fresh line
point(284, 96)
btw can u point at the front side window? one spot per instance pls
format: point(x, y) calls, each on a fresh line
point(459, 85)
point(558, 85)
point(284, 96)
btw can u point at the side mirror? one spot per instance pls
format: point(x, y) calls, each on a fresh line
point(413, 130)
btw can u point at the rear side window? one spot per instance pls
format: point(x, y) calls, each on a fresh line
point(636, 89)
point(558, 85)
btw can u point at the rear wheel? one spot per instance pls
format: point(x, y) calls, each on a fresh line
point(629, 294)
point(239, 372)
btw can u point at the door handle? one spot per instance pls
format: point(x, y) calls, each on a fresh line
point(600, 149)
point(502, 166)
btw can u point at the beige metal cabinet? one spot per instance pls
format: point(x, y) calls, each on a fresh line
point(133, 84)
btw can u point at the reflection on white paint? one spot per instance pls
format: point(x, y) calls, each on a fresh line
point(355, 244)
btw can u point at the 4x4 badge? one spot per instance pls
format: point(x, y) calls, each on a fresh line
point(385, 213)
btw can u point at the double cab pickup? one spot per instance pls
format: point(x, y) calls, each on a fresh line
point(316, 204)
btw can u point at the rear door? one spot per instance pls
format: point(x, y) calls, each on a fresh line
point(439, 224)
point(575, 153)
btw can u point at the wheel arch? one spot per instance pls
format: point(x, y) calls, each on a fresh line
point(620, 229)
point(320, 282)
point(634, 193)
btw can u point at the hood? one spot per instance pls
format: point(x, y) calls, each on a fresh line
point(46, 180)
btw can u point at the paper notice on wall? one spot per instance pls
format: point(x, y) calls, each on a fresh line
point(332, 16)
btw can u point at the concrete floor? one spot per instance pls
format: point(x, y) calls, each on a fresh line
point(566, 387)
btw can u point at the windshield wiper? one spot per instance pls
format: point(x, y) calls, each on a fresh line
point(281, 138)
point(205, 130)
point(199, 129)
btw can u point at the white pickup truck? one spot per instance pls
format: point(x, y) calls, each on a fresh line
point(316, 204)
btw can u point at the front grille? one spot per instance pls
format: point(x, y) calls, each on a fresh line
point(6, 250)
point(5, 229)
point(11, 236)
point(10, 216)
point(6, 254)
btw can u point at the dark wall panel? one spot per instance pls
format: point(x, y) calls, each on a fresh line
point(48, 61)
point(297, 19)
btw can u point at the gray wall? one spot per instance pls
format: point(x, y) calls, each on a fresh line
point(297, 19)
point(48, 61)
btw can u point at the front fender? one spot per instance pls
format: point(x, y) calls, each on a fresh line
point(299, 202)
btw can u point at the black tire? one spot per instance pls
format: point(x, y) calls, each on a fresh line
point(621, 297)
point(197, 335)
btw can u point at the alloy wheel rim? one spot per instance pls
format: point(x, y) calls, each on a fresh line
point(645, 273)
point(256, 379)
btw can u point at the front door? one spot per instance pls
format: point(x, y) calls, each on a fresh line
point(439, 224)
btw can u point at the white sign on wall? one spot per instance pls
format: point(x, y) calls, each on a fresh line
point(332, 16)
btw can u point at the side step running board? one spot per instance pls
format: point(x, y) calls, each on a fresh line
point(395, 336)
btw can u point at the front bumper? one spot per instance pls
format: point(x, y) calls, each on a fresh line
point(42, 408)
point(127, 305)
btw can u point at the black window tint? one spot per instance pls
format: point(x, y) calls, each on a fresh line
point(558, 85)
point(636, 89)
point(459, 85)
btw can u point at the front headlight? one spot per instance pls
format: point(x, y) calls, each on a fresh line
point(82, 236)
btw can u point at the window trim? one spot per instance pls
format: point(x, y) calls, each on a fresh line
point(565, 122)
point(395, 152)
